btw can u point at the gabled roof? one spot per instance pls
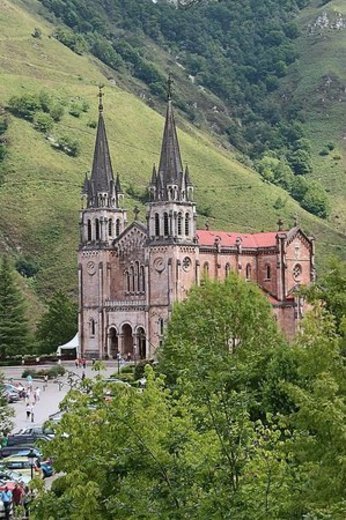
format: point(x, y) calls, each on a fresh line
point(228, 239)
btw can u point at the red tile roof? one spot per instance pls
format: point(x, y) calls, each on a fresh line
point(207, 238)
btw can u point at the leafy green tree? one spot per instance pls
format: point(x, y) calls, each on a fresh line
point(58, 325)
point(14, 332)
point(6, 412)
point(316, 200)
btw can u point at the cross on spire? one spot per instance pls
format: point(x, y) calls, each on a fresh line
point(169, 86)
point(100, 96)
point(136, 212)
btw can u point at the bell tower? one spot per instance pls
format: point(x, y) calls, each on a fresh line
point(102, 220)
point(172, 245)
point(171, 211)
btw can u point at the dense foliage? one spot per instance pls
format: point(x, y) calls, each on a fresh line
point(236, 49)
point(238, 426)
point(58, 324)
point(14, 332)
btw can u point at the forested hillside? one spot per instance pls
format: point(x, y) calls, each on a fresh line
point(49, 81)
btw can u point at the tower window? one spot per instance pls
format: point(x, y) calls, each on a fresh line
point(297, 271)
point(161, 324)
point(137, 277)
point(165, 225)
point(89, 230)
point(97, 229)
point(206, 270)
point(132, 277)
point(142, 280)
point(268, 272)
point(227, 270)
point(110, 227)
point(92, 327)
point(187, 224)
point(117, 227)
point(180, 224)
point(248, 271)
point(157, 225)
point(128, 281)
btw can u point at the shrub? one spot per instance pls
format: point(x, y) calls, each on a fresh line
point(323, 152)
point(128, 369)
point(57, 111)
point(37, 33)
point(52, 372)
point(27, 268)
point(139, 370)
point(75, 110)
point(68, 145)
point(43, 122)
point(92, 124)
point(24, 106)
point(330, 146)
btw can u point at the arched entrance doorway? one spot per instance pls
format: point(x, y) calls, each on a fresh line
point(142, 343)
point(127, 341)
point(113, 342)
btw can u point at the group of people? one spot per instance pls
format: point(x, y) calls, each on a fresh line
point(80, 363)
point(20, 497)
point(32, 396)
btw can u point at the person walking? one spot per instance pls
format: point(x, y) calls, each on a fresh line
point(26, 501)
point(6, 497)
point(18, 493)
point(4, 440)
point(32, 413)
point(28, 411)
point(37, 394)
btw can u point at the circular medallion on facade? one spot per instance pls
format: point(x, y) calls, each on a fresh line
point(159, 264)
point(91, 267)
point(297, 271)
point(187, 263)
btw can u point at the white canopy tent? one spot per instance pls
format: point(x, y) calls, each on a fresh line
point(73, 343)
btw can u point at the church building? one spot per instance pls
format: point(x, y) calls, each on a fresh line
point(131, 273)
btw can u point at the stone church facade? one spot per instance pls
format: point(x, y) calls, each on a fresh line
point(130, 274)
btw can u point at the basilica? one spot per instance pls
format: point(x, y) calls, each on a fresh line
point(131, 273)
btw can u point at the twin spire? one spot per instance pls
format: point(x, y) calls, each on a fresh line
point(102, 189)
point(169, 182)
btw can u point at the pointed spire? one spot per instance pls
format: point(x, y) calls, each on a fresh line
point(153, 176)
point(102, 173)
point(170, 160)
point(187, 176)
point(118, 185)
point(85, 188)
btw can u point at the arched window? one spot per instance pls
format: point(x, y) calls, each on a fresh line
point(137, 276)
point(132, 279)
point(110, 227)
point(187, 224)
point(142, 279)
point(97, 229)
point(157, 225)
point(128, 281)
point(117, 227)
point(165, 225)
point(268, 272)
point(89, 230)
point(227, 270)
point(206, 270)
point(161, 326)
point(248, 271)
point(180, 224)
point(92, 327)
point(297, 272)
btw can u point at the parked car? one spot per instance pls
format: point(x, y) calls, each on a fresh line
point(25, 439)
point(56, 417)
point(22, 465)
point(7, 451)
point(11, 397)
point(37, 430)
point(7, 476)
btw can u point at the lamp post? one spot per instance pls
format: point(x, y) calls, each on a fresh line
point(118, 361)
point(31, 457)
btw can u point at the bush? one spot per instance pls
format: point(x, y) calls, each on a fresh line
point(57, 111)
point(324, 152)
point(68, 145)
point(24, 106)
point(59, 486)
point(75, 110)
point(92, 124)
point(43, 122)
point(52, 372)
point(128, 369)
point(139, 370)
point(37, 33)
point(27, 268)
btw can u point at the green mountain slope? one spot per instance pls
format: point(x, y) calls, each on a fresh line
point(317, 82)
point(40, 195)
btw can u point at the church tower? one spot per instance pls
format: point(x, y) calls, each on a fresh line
point(102, 220)
point(171, 216)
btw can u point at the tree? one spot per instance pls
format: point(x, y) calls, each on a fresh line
point(58, 325)
point(6, 412)
point(14, 332)
point(43, 122)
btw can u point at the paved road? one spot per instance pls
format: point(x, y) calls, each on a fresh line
point(50, 398)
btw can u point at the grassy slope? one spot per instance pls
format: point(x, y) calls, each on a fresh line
point(40, 199)
point(323, 55)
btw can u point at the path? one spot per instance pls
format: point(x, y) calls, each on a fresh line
point(50, 398)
